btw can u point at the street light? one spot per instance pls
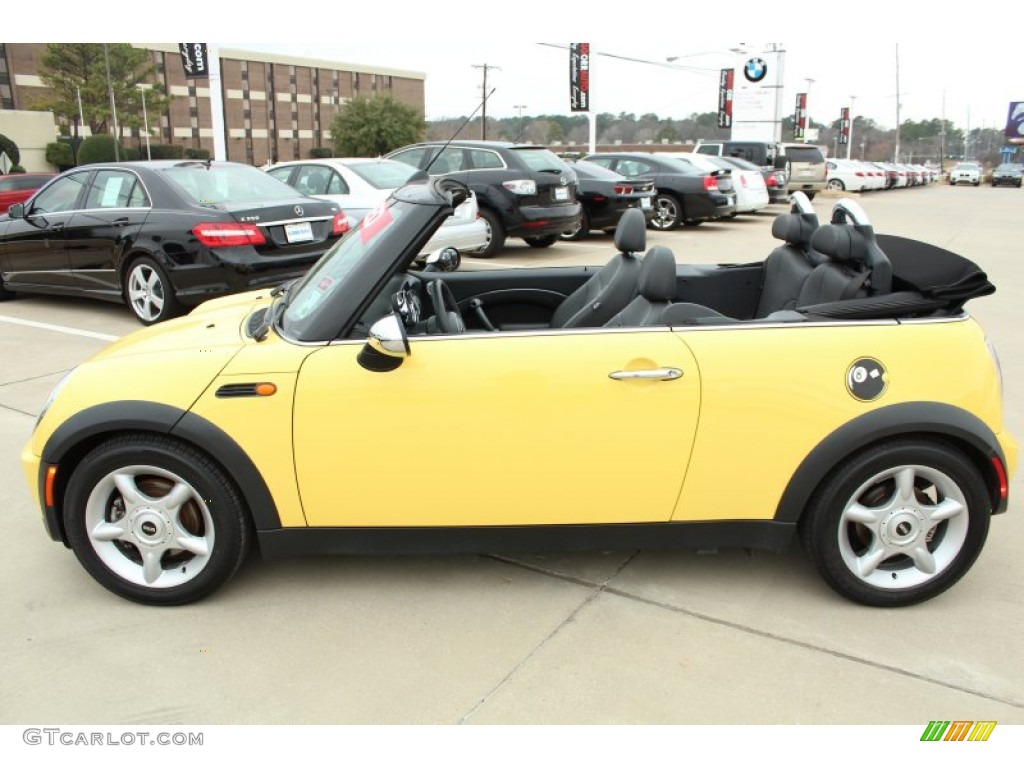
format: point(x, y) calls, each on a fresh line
point(849, 135)
point(520, 107)
point(145, 119)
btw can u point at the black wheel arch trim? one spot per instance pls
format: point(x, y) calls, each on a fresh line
point(76, 436)
point(922, 419)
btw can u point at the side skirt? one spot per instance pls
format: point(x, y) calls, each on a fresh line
point(288, 542)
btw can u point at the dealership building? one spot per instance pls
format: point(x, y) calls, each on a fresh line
point(275, 107)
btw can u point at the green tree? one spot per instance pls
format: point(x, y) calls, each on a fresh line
point(9, 148)
point(78, 70)
point(98, 149)
point(369, 126)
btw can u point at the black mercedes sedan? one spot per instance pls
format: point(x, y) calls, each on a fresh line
point(683, 194)
point(604, 195)
point(162, 236)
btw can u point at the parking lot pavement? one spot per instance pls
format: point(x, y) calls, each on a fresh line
point(607, 637)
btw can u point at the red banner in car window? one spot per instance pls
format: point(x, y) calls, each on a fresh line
point(375, 221)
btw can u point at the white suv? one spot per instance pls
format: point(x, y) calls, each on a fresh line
point(966, 173)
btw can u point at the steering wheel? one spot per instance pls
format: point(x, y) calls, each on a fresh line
point(446, 309)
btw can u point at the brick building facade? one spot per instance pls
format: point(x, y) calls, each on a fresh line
point(275, 107)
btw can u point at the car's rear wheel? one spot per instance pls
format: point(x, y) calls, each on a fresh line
point(836, 185)
point(668, 213)
point(543, 241)
point(495, 234)
point(149, 293)
point(154, 520)
point(580, 231)
point(897, 524)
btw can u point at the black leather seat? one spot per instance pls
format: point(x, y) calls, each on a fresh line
point(613, 286)
point(789, 265)
point(656, 288)
point(856, 266)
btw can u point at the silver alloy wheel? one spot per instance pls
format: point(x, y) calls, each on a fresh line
point(666, 213)
point(836, 185)
point(146, 292)
point(903, 527)
point(149, 526)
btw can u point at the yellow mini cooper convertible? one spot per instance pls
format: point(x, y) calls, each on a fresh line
point(644, 404)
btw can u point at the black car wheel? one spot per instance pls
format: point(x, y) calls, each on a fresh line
point(149, 293)
point(495, 234)
point(668, 212)
point(154, 520)
point(580, 231)
point(898, 523)
point(543, 241)
point(836, 185)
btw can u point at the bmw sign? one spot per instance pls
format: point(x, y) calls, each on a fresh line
point(755, 70)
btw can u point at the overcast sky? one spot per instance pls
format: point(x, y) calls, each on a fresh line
point(974, 83)
point(951, 61)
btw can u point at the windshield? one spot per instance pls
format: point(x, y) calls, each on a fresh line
point(542, 160)
point(213, 184)
point(383, 174)
point(328, 275)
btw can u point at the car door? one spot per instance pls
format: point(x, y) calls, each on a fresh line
point(115, 209)
point(33, 252)
point(577, 427)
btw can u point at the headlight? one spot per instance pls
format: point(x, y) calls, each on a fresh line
point(53, 394)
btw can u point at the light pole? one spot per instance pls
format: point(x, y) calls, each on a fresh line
point(807, 105)
point(145, 119)
point(113, 108)
point(849, 137)
point(520, 107)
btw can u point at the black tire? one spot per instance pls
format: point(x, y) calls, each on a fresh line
point(693, 222)
point(581, 231)
point(544, 241)
point(836, 185)
point(810, 195)
point(5, 295)
point(496, 234)
point(898, 523)
point(182, 497)
point(148, 292)
point(668, 212)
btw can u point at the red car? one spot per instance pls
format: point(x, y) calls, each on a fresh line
point(19, 187)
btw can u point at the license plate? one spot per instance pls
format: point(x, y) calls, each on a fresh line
point(298, 233)
point(561, 193)
point(645, 202)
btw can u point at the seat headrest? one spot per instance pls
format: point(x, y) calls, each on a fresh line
point(631, 232)
point(657, 280)
point(841, 242)
point(793, 229)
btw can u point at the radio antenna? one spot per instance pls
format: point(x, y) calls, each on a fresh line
point(464, 124)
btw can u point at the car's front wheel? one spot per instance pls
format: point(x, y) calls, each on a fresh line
point(898, 523)
point(149, 293)
point(155, 520)
point(668, 213)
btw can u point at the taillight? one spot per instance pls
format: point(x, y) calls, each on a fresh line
point(339, 224)
point(710, 184)
point(623, 190)
point(743, 181)
point(521, 186)
point(771, 181)
point(222, 234)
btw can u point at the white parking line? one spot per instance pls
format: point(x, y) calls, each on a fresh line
point(58, 328)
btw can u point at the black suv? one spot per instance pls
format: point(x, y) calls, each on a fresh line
point(523, 190)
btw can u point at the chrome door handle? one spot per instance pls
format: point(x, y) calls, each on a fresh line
point(660, 374)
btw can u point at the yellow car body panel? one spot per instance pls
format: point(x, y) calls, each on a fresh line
point(497, 430)
point(771, 394)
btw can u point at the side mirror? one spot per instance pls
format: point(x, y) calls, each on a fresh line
point(17, 211)
point(387, 346)
point(443, 260)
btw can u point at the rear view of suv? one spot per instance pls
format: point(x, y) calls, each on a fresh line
point(523, 190)
point(804, 163)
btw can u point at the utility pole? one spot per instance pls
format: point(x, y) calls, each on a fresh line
point(807, 106)
point(483, 112)
point(145, 120)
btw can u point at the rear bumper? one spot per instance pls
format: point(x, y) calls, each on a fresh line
point(537, 221)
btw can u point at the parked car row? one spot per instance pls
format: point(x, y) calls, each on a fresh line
point(863, 176)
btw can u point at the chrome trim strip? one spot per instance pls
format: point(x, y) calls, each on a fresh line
point(288, 221)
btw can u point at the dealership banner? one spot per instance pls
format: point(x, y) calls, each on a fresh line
point(195, 60)
point(1015, 123)
point(844, 126)
point(800, 117)
point(579, 77)
point(725, 95)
